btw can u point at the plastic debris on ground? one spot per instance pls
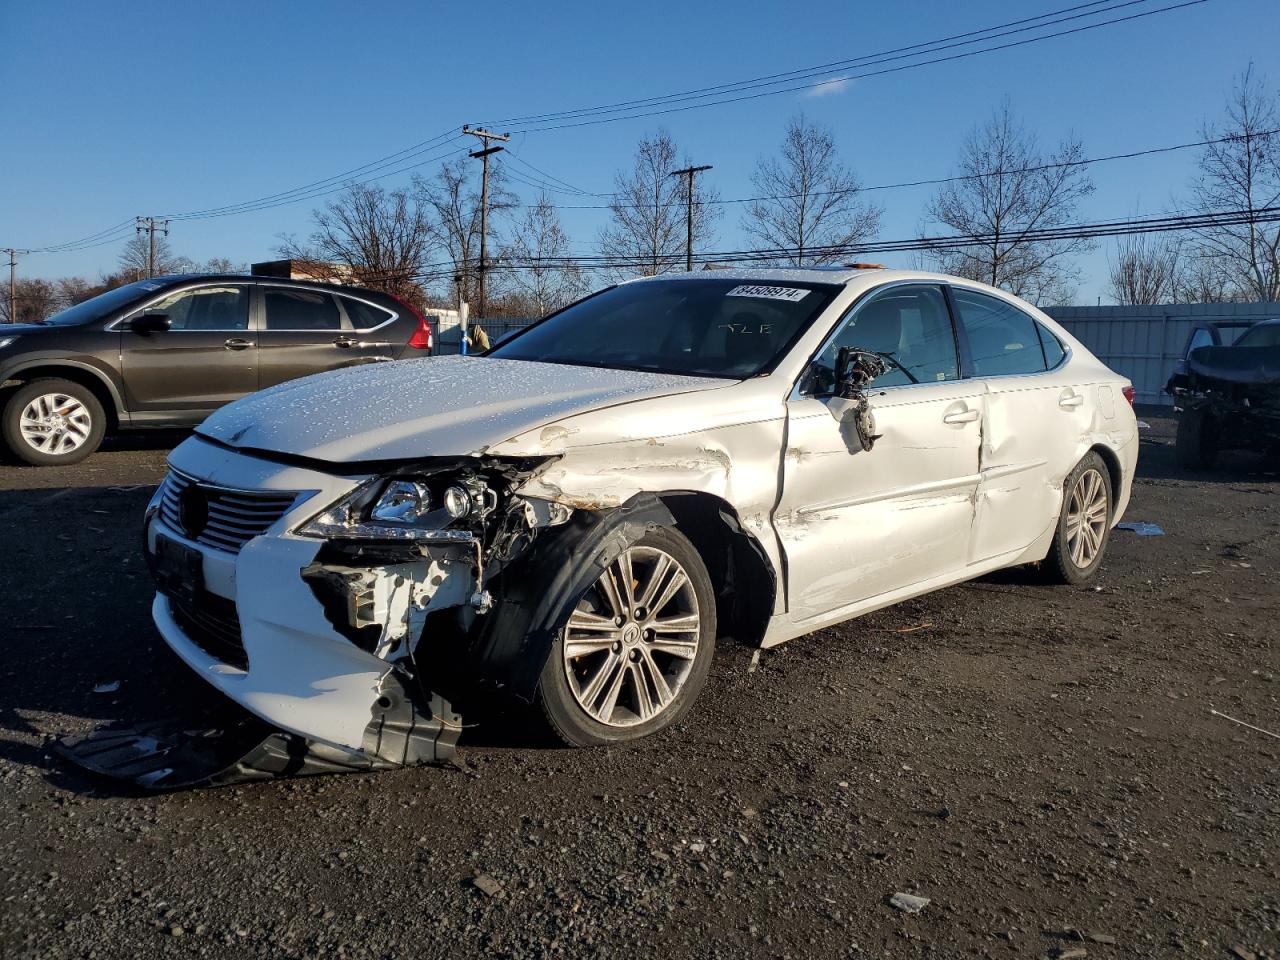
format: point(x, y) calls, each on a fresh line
point(1142, 528)
point(908, 903)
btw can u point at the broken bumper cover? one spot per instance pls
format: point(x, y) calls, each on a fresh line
point(251, 625)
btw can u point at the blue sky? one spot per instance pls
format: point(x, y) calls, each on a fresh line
point(113, 110)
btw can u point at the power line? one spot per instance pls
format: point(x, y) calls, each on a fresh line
point(397, 157)
point(623, 114)
point(938, 181)
point(626, 109)
point(1177, 222)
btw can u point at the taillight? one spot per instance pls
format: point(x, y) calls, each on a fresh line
point(421, 339)
point(1129, 393)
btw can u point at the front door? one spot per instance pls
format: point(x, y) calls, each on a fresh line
point(206, 358)
point(856, 524)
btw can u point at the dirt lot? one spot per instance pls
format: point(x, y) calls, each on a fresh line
point(1041, 763)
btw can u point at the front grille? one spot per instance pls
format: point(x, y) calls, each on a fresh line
point(220, 517)
point(212, 624)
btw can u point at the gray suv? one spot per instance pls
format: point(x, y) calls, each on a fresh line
point(167, 352)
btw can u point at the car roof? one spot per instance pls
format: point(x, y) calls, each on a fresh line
point(841, 275)
point(173, 279)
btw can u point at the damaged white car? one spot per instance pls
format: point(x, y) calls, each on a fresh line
point(577, 518)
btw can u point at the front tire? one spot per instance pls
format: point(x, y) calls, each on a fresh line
point(52, 422)
point(1084, 525)
point(634, 653)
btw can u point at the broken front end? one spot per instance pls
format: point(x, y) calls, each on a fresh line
point(346, 616)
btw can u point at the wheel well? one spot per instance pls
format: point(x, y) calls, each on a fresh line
point(744, 579)
point(88, 380)
point(1114, 473)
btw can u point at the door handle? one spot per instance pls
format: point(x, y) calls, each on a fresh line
point(961, 416)
point(344, 342)
point(236, 343)
point(1070, 401)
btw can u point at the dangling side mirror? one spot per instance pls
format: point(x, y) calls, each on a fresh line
point(855, 369)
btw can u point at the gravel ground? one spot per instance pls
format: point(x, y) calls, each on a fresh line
point(1039, 762)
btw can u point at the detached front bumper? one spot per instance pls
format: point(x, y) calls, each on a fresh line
point(257, 620)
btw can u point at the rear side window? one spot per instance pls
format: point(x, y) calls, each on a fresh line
point(300, 310)
point(1054, 352)
point(1003, 341)
point(364, 316)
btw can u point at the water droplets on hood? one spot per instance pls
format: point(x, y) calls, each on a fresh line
point(426, 407)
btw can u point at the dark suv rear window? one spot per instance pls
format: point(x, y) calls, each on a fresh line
point(364, 316)
point(301, 310)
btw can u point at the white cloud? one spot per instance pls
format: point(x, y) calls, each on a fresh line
point(827, 87)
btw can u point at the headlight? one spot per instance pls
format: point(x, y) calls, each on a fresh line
point(5, 341)
point(397, 508)
point(402, 501)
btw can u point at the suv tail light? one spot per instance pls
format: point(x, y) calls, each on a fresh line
point(421, 339)
point(1129, 393)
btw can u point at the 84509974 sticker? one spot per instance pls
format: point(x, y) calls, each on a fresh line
point(792, 294)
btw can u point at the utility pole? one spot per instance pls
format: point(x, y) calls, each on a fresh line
point(483, 154)
point(152, 225)
point(689, 173)
point(13, 281)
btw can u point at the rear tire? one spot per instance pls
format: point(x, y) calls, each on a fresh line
point(1197, 443)
point(620, 681)
point(52, 422)
point(1084, 525)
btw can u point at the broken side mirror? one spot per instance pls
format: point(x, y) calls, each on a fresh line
point(855, 369)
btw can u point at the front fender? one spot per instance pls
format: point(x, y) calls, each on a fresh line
point(536, 593)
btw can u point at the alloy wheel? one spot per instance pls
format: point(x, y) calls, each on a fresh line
point(55, 423)
point(630, 645)
point(1086, 518)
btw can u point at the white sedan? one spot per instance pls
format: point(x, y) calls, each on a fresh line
point(576, 518)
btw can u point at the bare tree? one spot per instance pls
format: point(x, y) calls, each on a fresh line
point(451, 201)
point(136, 255)
point(33, 300)
point(1144, 270)
point(647, 232)
point(539, 286)
point(809, 201)
point(1243, 173)
point(377, 237)
point(1200, 279)
point(1006, 189)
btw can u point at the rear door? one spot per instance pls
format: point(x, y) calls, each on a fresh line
point(206, 358)
point(301, 331)
point(1034, 415)
point(854, 523)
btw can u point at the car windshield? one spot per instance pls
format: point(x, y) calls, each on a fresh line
point(104, 303)
point(1263, 335)
point(708, 327)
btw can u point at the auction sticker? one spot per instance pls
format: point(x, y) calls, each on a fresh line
point(794, 294)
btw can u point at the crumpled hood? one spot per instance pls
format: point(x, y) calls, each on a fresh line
point(432, 406)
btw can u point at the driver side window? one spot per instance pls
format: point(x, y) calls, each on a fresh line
point(206, 308)
point(909, 327)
